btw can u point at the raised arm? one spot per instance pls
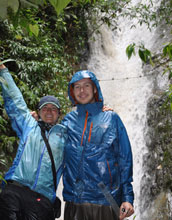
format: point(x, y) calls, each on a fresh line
point(15, 105)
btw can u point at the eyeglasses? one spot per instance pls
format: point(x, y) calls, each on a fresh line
point(46, 109)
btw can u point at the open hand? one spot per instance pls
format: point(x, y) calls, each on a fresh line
point(34, 115)
point(106, 108)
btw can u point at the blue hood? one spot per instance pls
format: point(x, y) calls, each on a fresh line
point(82, 75)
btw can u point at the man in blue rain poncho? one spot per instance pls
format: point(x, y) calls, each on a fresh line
point(98, 150)
point(30, 192)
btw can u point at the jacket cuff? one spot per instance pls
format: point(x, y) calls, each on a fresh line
point(3, 71)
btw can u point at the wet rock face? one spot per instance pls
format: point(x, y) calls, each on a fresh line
point(160, 132)
point(157, 163)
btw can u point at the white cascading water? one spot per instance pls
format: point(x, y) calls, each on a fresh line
point(126, 89)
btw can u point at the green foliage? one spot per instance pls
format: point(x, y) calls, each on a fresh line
point(16, 5)
point(59, 5)
point(144, 54)
point(14, 8)
point(42, 66)
point(167, 50)
point(151, 13)
point(105, 12)
point(130, 50)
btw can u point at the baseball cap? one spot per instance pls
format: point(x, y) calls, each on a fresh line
point(48, 100)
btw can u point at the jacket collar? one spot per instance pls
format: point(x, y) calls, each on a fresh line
point(91, 108)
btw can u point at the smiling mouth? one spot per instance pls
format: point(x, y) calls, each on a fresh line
point(49, 117)
point(83, 97)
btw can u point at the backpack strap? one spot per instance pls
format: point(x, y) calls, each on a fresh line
point(51, 157)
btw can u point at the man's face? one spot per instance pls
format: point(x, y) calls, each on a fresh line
point(84, 91)
point(49, 113)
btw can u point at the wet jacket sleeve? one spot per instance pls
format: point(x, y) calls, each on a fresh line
point(126, 164)
point(14, 103)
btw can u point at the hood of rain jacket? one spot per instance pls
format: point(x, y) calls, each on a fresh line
point(98, 149)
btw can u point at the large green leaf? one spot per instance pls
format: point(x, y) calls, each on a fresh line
point(34, 29)
point(130, 50)
point(59, 5)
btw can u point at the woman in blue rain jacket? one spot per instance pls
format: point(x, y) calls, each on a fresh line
point(31, 167)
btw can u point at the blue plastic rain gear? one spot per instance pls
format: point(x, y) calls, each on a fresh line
point(32, 164)
point(98, 149)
